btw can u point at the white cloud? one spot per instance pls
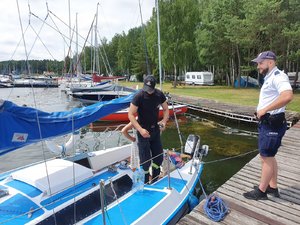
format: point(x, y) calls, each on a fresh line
point(114, 16)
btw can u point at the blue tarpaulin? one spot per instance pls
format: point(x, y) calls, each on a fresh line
point(20, 126)
point(246, 82)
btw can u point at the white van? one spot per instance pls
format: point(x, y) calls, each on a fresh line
point(201, 78)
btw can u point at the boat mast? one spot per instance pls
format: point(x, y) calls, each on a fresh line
point(158, 45)
point(70, 36)
point(96, 64)
point(77, 58)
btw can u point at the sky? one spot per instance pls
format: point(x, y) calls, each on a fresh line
point(48, 37)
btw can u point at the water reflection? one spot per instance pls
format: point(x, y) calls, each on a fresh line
point(225, 141)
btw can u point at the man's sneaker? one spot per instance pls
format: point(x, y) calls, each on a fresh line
point(272, 191)
point(256, 194)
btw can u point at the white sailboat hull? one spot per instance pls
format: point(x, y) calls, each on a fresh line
point(66, 194)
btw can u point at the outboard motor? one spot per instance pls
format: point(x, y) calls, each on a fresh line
point(192, 148)
point(192, 144)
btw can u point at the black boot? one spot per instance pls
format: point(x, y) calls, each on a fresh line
point(155, 174)
point(147, 178)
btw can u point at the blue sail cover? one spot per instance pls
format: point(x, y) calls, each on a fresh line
point(20, 126)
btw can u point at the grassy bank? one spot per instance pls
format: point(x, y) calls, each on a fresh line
point(239, 96)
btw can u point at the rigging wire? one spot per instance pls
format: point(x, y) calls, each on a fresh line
point(21, 39)
point(105, 58)
point(108, 71)
point(34, 99)
point(118, 202)
point(96, 65)
point(68, 26)
point(57, 30)
point(38, 37)
point(56, 27)
point(86, 41)
point(145, 43)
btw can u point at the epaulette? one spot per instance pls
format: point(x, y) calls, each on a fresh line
point(277, 72)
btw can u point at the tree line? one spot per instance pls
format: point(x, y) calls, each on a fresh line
point(221, 36)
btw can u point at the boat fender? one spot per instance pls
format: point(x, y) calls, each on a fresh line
point(193, 201)
point(61, 149)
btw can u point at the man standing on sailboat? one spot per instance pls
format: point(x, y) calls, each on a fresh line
point(146, 105)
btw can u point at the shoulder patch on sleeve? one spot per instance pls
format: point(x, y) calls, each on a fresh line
point(277, 72)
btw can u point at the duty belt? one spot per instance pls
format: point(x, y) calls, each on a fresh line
point(274, 120)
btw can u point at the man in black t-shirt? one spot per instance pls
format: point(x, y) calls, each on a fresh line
point(145, 105)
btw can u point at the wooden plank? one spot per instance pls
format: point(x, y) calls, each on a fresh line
point(283, 171)
point(284, 187)
point(259, 207)
point(287, 145)
point(189, 219)
point(199, 218)
point(282, 200)
point(237, 112)
point(284, 166)
point(289, 150)
point(234, 216)
point(283, 178)
point(290, 155)
point(290, 139)
point(267, 205)
point(250, 214)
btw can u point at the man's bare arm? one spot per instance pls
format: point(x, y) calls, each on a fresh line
point(284, 98)
point(165, 119)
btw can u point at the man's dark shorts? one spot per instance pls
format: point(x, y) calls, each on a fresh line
point(269, 138)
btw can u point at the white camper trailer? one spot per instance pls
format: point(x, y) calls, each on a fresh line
point(201, 78)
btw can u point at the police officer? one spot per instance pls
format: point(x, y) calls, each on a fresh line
point(145, 105)
point(275, 94)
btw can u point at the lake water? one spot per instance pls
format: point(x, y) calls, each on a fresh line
point(224, 137)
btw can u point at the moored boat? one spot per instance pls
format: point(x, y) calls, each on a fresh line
point(66, 190)
point(6, 81)
point(36, 82)
point(93, 97)
point(122, 115)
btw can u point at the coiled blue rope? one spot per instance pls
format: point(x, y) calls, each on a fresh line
point(215, 208)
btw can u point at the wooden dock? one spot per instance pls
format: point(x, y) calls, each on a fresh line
point(225, 110)
point(276, 211)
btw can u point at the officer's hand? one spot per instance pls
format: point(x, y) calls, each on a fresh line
point(260, 113)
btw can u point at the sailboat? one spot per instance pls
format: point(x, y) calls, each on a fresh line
point(66, 190)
